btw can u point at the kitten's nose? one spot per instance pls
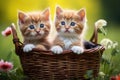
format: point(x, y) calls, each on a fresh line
point(66, 28)
point(38, 31)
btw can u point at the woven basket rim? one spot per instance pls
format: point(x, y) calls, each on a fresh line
point(49, 52)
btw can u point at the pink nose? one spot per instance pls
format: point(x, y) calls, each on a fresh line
point(66, 28)
point(37, 31)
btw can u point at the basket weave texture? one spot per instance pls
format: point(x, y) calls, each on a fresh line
point(44, 65)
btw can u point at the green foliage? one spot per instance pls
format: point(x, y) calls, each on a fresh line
point(14, 74)
point(9, 56)
point(115, 51)
point(89, 74)
point(108, 68)
point(102, 30)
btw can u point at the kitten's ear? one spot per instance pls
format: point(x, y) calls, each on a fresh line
point(46, 12)
point(22, 16)
point(58, 10)
point(82, 14)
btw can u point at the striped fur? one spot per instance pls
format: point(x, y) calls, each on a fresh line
point(69, 37)
point(37, 36)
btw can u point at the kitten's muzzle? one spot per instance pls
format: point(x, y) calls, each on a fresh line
point(38, 33)
point(67, 30)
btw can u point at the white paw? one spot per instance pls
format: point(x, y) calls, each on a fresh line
point(56, 49)
point(77, 49)
point(28, 47)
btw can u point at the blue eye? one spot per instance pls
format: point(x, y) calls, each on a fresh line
point(41, 25)
point(72, 24)
point(62, 23)
point(31, 27)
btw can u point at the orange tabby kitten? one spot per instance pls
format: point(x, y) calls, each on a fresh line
point(70, 26)
point(35, 28)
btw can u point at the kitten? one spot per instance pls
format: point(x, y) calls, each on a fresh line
point(35, 28)
point(70, 26)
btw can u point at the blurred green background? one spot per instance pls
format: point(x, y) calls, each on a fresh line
point(96, 9)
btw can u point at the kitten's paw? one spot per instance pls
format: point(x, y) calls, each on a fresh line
point(28, 47)
point(56, 49)
point(77, 49)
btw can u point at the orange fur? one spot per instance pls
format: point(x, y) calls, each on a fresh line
point(37, 36)
point(74, 34)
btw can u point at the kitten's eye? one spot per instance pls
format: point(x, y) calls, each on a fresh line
point(31, 27)
point(72, 24)
point(63, 23)
point(41, 25)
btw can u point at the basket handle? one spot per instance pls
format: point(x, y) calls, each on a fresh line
point(16, 41)
point(94, 37)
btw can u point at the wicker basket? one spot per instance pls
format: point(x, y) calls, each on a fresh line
point(44, 65)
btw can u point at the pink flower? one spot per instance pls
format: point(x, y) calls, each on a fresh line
point(118, 77)
point(7, 31)
point(115, 77)
point(5, 66)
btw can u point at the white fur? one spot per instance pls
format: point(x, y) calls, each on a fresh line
point(70, 30)
point(42, 32)
point(28, 47)
point(69, 39)
point(67, 43)
point(33, 33)
point(77, 49)
point(63, 30)
point(56, 49)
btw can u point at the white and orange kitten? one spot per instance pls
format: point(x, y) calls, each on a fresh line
point(70, 26)
point(35, 28)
